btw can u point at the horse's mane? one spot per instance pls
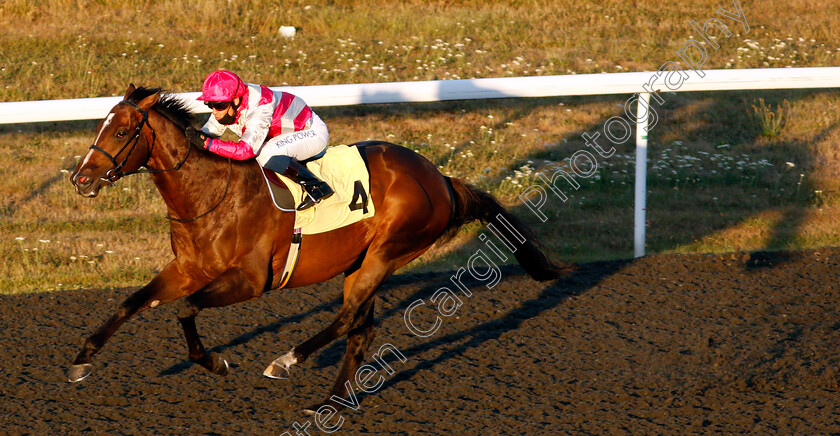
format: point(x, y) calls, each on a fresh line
point(169, 105)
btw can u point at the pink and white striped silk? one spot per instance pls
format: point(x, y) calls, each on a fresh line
point(263, 115)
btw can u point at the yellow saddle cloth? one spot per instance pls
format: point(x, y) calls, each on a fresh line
point(344, 170)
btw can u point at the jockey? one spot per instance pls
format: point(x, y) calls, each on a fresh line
point(277, 128)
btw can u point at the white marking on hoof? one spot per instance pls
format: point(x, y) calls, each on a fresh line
point(279, 369)
point(154, 303)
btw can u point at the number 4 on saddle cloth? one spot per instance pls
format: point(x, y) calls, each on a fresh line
point(344, 170)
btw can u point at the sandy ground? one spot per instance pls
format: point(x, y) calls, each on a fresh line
point(664, 344)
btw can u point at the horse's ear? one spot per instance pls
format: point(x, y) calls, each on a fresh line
point(149, 101)
point(129, 91)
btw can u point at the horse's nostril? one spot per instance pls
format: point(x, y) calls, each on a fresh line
point(83, 179)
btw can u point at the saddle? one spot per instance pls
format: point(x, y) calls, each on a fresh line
point(343, 168)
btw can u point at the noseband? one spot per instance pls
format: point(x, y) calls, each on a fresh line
point(116, 173)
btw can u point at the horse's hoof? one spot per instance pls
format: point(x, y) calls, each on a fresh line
point(313, 409)
point(279, 369)
point(78, 373)
point(224, 369)
point(218, 365)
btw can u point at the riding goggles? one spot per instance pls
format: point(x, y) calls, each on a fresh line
point(218, 105)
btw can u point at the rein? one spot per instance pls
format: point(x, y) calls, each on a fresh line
point(114, 174)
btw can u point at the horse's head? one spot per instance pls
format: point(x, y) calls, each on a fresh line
point(122, 144)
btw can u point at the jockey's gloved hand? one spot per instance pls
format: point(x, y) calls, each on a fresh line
point(196, 137)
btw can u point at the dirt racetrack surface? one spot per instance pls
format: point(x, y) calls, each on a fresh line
point(663, 344)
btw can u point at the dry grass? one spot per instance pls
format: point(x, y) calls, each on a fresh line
point(717, 182)
point(64, 48)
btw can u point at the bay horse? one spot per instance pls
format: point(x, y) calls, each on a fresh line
point(231, 245)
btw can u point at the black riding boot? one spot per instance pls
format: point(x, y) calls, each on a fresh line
point(316, 189)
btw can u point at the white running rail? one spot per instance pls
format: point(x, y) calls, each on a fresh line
point(472, 89)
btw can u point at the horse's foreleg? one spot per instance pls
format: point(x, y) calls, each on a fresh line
point(233, 286)
point(168, 285)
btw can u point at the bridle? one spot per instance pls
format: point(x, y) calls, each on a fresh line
point(116, 173)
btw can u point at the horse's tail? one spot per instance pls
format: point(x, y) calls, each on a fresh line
point(470, 203)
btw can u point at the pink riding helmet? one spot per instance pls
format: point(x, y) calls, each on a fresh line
point(222, 85)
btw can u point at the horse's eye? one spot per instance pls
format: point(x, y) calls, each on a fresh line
point(121, 134)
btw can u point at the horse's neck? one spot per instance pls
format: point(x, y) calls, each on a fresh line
point(194, 187)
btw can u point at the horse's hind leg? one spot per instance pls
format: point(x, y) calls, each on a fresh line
point(233, 286)
point(358, 341)
point(359, 290)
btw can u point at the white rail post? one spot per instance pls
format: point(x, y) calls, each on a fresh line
point(641, 174)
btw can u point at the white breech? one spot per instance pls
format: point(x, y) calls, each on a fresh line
point(299, 145)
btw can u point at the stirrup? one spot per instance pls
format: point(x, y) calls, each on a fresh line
point(313, 194)
point(306, 203)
